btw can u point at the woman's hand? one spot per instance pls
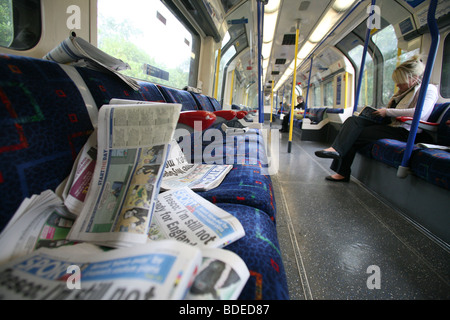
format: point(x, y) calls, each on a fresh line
point(380, 112)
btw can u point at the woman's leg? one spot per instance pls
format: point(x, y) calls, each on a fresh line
point(349, 133)
point(369, 134)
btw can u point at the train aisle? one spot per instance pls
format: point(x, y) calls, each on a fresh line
point(340, 242)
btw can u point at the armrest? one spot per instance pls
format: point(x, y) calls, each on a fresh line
point(241, 114)
point(189, 118)
point(226, 114)
point(429, 126)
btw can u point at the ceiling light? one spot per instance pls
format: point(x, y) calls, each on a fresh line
point(325, 25)
point(272, 6)
point(306, 50)
point(342, 5)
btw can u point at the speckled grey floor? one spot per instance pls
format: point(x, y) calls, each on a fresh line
point(331, 233)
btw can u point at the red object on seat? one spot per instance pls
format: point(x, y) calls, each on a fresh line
point(190, 117)
point(429, 126)
point(226, 114)
point(404, 119)
point(241, 114)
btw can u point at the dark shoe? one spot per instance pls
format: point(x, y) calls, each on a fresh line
point(327, 154)
point(330, 178)
point(284, 130)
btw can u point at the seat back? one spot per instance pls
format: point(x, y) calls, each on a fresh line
point(44, 124)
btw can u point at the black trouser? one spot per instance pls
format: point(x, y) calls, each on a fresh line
point(356, 133)
point(286, 122)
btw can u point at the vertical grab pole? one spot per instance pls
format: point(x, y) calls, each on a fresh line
point(294, 80)
point(216, 84)
point(271, 104)
point(363, 61)
point(260, 6)
point(434, 31)
point(307, 89)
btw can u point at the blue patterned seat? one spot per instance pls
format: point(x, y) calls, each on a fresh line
point(43, 125)
point(261, 253)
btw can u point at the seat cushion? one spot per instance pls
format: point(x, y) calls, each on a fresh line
point(433, 165)
point(246, 185)
point(260, 250)
point(390, 151)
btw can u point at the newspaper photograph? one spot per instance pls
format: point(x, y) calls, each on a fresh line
point(44, 222)
point(133, 143)
point(180, 173)
point(184, 216)
point(222, 276)
point(160, 271)
point(80, 178)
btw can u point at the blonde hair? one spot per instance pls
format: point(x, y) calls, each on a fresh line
point(411, 69)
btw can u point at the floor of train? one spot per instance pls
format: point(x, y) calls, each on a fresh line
point(339, 241)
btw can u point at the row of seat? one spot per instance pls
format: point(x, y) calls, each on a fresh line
point(45, 121)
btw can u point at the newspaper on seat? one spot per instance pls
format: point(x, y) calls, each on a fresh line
point(77, 51)
point(198, 177)
point(184, 216)
point(132, 143)
point(158, 271)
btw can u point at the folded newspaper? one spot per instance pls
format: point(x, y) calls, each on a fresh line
point(41, 221)
point(184, 216)
point(77, 51)
point(160, 270)
point(198, 177)
point(132, 148)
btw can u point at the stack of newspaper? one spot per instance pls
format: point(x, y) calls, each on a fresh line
point(162, 241)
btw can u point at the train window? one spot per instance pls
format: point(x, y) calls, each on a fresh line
point(386, 41)
point(316, 95)
point(445, 75)
point(226, 56)
point(20, 23)
point(147, 36)
point(328, 95)
point(6, 26)
point(366, 94)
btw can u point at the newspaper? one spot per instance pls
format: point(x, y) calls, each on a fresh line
point(180, 173)
point(162, 270)
point(184, 216)
point(222, 276)
point(133, 143)
point(40, 221)
point(80, 178)
point(77, 51)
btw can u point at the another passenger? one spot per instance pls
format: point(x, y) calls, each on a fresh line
point(286, 119)
point(357, 131)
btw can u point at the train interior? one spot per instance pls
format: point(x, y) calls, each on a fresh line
point(321, 240)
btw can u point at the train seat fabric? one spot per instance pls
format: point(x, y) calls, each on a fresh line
point(44, 124)
point(316, 115)
point(245, 185)
point(179, 96)
point(432, 165)
point(203, 102)
point(261, 252)
point(105, 87)
point(389, 151)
